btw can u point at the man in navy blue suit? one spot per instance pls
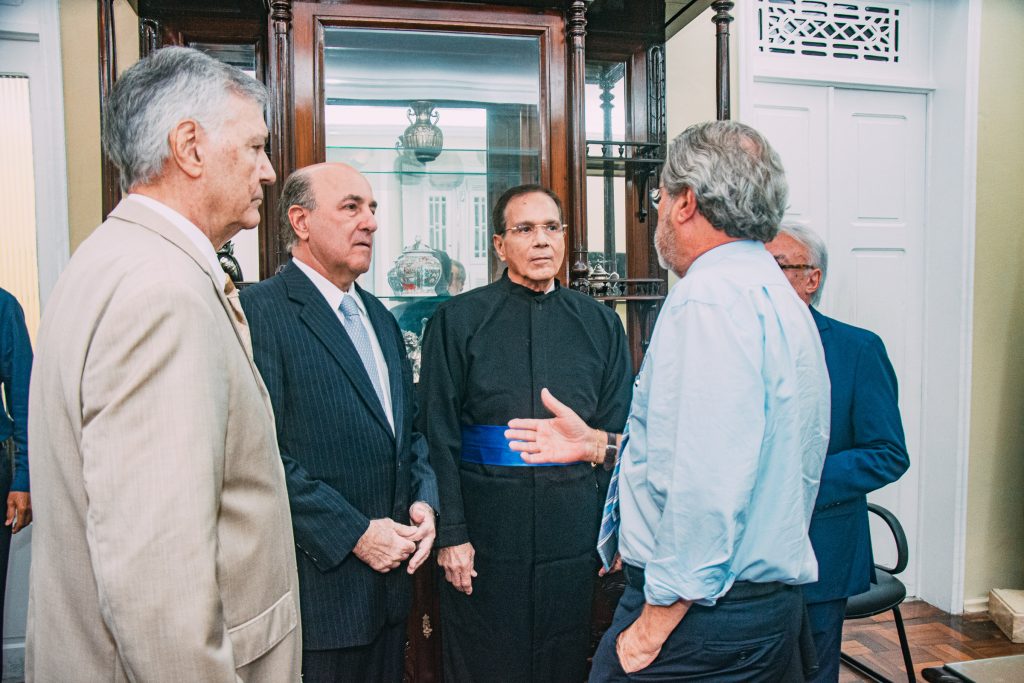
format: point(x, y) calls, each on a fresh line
point(866, 449)
point(362, 494)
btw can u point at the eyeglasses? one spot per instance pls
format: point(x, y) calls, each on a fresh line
point(796, 266)
point(655, 197)
point(526, 229)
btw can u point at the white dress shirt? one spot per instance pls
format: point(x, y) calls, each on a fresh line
point(187, 227)
point(334, 295)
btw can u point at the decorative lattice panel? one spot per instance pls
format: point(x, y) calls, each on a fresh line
point(862, 31)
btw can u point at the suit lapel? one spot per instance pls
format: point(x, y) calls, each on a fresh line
point(324, 324)
point(822, 323)
point(143, 216)
point(382, 327)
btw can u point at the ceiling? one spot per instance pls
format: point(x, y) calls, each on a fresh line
point(680, 12)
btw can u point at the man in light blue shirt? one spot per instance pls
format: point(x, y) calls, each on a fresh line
point(726, 435)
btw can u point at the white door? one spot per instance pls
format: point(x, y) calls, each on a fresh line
point(856, 162)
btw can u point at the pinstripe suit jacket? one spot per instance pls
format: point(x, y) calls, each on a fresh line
point(343, 465)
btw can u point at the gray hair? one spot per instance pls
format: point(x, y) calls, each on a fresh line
point(734, 173)
point(297, 191)
point(150, 98)
point(816, 249)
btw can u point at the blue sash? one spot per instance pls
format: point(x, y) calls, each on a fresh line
point(487, 445)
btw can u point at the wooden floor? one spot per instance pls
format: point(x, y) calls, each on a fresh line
point(936, 638)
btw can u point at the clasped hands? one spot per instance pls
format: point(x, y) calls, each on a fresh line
point(386, 544)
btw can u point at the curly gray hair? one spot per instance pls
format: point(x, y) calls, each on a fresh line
point(151, 97)
point(737, 178)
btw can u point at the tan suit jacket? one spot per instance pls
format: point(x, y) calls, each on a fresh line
point(162, 546)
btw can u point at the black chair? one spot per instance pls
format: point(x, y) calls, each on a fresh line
point(885, 595)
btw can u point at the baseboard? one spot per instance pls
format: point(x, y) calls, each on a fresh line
point(975, 605)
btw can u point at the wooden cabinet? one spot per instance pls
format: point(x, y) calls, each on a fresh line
point(305, 51)
point(567, 93)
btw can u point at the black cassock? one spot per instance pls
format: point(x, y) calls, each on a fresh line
point(486, 356)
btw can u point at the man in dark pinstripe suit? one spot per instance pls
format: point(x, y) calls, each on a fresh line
point(363, 496)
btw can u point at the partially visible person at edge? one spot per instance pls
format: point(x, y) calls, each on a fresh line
point(866, 448)
point(725, 440)
point(162, 548)
point(516, 541)
point(15, 369)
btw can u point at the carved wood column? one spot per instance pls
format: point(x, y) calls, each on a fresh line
point(722, 19)
point(282, 147)
point(576, 27)
point(607, 82)
point(109, 177)
point(149, 37)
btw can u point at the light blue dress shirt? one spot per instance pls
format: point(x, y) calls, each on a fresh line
point(727, 433)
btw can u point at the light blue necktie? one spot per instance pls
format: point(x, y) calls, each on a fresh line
point(361, 340)
point(608, 538)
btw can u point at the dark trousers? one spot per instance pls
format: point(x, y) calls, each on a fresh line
point(6, 474)
point(751, 634)
point(378, 662)
point(827, 629)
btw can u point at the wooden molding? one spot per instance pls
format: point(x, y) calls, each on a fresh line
point(110, 182)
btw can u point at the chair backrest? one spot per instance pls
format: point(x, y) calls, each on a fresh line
point(897, 533)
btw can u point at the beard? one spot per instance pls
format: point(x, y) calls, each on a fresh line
point(665, 247)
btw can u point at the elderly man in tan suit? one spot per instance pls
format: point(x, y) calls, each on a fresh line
point(163, 547)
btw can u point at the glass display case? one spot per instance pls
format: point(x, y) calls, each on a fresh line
point(436, 141)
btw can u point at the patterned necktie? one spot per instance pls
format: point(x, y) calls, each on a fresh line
point(361, 340)
point(608, 538)
point(242, 325)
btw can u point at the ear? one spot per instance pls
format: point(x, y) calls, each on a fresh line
point(684, 206)
point(299, 219)
point(813, 282)
point(499, 246)
point(185, 140)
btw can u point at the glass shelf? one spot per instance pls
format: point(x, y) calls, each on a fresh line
point(454, 161)
point(494, 151)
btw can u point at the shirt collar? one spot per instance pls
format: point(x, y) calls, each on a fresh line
point(555, 284)
point(185, 226)
point(330, 291)
point(723, 251)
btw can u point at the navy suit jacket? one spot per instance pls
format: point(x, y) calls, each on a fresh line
point(343, 464)
point(866, 451)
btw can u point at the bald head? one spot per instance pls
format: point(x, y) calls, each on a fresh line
point(330, 208)
point(298, 191)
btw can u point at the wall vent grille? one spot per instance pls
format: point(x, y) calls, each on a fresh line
point(858, 31)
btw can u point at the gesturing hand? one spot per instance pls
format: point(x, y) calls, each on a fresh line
point(421, 515)
point(385, 544)
point(562, 438)
point(457, 561)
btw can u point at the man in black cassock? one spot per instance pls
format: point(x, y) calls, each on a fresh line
point(517, 541)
